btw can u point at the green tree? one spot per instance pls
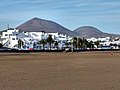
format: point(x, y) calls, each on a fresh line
point(74, 42)
point(43, 42)
point(50, 41)
point(80, 43)
point(85, 42)
point(20, 43)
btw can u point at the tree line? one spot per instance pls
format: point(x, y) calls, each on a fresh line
point(74, 43)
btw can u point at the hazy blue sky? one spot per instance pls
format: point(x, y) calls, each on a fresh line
point(103, 14)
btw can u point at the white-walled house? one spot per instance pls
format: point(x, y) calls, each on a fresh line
point(9, 39)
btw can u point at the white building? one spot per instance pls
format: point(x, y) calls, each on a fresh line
point(93, 39)
point(106, 42)
point(31, 40)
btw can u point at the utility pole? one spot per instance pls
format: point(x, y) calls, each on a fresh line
point(77, 42)
point(72, 45)
point(7, 26)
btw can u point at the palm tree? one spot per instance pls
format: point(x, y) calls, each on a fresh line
point(43, 42)
point(20, 43)
point(74, 42)
point(85, 43)
point(80, 43)
point(50, 41)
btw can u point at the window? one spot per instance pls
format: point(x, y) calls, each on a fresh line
point(13, 38)
point(6, 34)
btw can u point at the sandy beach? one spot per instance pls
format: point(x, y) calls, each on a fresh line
point(60, 71)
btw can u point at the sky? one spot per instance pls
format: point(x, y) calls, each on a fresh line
point(102, 14)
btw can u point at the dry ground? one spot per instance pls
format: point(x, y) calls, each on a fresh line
point(60, 71)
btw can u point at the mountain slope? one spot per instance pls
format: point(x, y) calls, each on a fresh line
point(37, 25)
point(88, 31)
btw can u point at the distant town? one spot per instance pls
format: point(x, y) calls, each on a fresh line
point(27, 39)
point(14, 39)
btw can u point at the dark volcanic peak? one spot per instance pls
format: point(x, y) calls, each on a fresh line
point(88, 28)
point(37, 25)
point(89, 31)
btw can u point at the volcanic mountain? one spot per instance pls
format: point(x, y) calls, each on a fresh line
point(89, 31)
point(37, 25)
point(40, 25)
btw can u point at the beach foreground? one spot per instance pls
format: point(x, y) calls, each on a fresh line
point(60, 71)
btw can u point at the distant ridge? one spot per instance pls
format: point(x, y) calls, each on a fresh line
point(37, 25)
point(89, 31)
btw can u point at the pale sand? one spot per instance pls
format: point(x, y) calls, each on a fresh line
point(60, 71)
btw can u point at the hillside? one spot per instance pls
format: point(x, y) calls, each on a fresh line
point(37, 25)
point(89, 31)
